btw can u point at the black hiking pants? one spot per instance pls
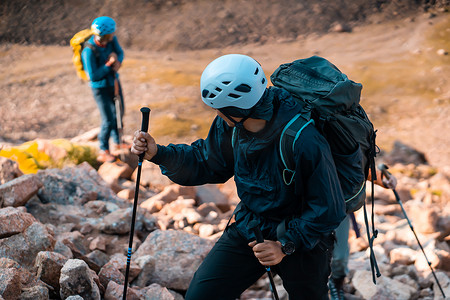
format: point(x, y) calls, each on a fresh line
point(231, 267)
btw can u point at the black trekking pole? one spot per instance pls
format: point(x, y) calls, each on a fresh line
point(144, 127)
point(253, 226)
point(119, 114)
point(383, 168)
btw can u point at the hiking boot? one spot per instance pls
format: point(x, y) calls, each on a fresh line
point(122, 146)
point(336, 287)
point(105, 156)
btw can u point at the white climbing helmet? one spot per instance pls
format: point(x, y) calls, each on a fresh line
point(232, 80)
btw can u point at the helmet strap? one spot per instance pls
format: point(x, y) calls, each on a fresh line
point(239, 125)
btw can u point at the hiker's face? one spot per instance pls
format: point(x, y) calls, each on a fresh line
point(228, 121)
point(105, 39)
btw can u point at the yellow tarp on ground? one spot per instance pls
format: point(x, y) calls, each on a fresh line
point(41, 154)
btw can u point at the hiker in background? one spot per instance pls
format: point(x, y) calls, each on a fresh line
point(242, 142)
point(341, 252)
point(102, 58)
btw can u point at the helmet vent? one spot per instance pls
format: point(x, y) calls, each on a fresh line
point(244, 88)
point(211, 95)
point(205, 93)
point(226, 82)
point(234, 96)
point(218, 89)
point(263, 81)
point(256, 71)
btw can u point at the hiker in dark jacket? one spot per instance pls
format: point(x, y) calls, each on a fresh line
point(243, 142)
point(102, 59)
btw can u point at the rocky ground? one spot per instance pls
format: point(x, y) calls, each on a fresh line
point(65, 232)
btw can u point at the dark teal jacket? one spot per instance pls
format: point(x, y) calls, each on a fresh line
point(315, 198)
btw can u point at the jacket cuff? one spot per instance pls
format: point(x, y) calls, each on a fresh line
point(160, 155)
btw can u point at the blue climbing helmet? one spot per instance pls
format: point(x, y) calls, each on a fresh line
point(232, 80)
point(103, 26)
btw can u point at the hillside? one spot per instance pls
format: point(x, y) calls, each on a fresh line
point(197, 24)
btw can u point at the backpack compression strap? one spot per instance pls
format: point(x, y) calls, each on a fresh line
point(291, 132)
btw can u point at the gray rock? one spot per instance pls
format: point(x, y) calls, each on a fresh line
point(77, 279)
point(24, 247)
point(74, 185)
point(170, 258)
point(19, 190)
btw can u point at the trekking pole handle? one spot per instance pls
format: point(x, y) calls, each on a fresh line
point(144, 126)
point(254, 226)
point(145, 116)
point(384, 169)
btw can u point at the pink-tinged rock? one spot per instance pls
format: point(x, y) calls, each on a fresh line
point(49, 265)
point(175, 191)
point(115, 269)
point(115, 170)
point(114, 291)
point(211, 193)
point(151, 176)
point(403, 255)
point(14, 221)
point(37, 292)
point(424, 217)
point(18, 191)
point(9, 170)
point(10, 284)
point(157, 292)
point(24, 247)
point(98, 243)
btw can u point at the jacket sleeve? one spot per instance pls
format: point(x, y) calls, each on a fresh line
point(204, 161)
point(89, 60)
point(323, 205)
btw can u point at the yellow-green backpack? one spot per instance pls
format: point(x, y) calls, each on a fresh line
point(78, 42)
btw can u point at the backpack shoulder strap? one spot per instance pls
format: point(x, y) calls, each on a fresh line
point(93, 48)
point(289, 136)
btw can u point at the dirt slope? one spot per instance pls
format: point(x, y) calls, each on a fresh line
point(196, 24)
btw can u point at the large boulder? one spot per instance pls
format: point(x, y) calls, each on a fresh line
point(74, 185)
point(170, 258)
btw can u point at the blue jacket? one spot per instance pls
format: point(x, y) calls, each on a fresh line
point(100, 76)
point(315, 198)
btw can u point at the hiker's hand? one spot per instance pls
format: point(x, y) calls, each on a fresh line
point(144, 142)
point(112, 59)
point(390, 183)
point(268, 253)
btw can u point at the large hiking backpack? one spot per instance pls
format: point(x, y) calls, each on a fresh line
point(78, 42)
point(331, 101)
